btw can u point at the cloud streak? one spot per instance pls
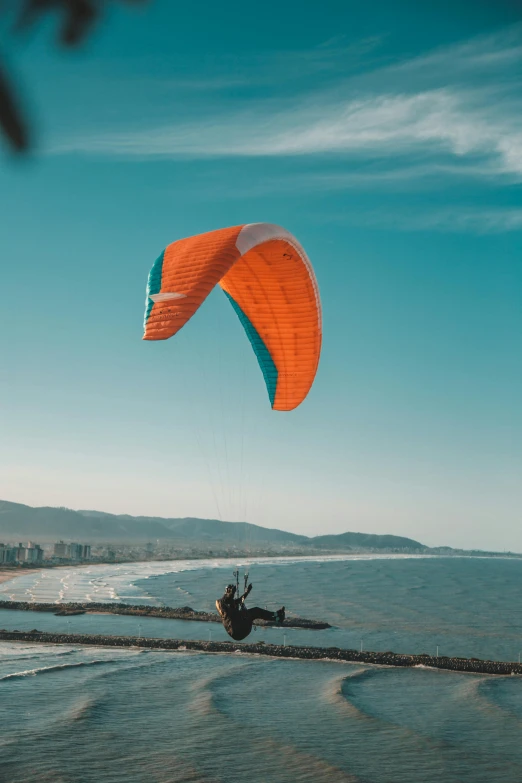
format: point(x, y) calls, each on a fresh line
point(434, 105)
point(461, 220)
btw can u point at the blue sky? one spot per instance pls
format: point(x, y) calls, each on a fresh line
point(387, 138)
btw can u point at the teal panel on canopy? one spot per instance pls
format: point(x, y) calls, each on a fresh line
point(266, 362)
point(153, 285)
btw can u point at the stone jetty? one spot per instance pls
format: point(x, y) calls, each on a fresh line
point(472, 665)
point(169, 612)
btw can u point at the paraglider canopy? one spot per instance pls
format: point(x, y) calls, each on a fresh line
point(270, 283)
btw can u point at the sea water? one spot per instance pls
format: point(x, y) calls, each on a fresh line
point(69, 713)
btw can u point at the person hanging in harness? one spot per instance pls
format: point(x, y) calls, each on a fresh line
point(237, 619)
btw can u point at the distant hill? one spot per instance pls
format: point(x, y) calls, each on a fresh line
point(364, 541)
point(195, 529)
point(21, 522)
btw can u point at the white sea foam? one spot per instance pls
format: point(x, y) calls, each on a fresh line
point(47, 669)
point(106, 583)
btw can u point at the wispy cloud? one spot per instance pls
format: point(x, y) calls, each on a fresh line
point(464, 102)
point(459, 220)
point(482, 54)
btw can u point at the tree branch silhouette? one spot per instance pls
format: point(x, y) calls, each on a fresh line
point(76, 20)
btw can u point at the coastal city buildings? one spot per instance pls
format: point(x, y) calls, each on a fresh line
point(32, 553)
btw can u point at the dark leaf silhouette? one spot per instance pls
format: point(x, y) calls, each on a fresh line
point(77, 18)
point(11, 119)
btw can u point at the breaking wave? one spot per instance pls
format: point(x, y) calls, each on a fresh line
point(47, 669)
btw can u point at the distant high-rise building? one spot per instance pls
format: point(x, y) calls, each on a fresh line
point(33, 553)
point(60, 550)
point(75, 551)
point(21, 553)
point(7, 554)
point(72, 551)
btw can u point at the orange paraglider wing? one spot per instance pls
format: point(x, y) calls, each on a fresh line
point(269, 282)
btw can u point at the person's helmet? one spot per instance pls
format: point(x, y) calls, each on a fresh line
point(230, 588)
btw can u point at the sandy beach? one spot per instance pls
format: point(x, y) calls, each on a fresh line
point(9, 573)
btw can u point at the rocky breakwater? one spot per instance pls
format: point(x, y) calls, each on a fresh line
point(168, 612)
point(471, 665)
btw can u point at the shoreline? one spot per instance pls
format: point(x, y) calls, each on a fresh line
point(8, 574)
point(398, 660)
point(218, 560)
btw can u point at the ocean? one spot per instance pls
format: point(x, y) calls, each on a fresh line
point(95, 714)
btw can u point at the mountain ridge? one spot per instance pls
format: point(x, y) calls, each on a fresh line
point(19, 521)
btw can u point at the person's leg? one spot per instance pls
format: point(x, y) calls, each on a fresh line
point(256, 613)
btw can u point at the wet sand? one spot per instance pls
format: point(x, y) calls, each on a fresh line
point(8, 573)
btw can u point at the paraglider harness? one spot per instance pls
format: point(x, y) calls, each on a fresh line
point(241, 602)
point(236, 575)
point(242, 606)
